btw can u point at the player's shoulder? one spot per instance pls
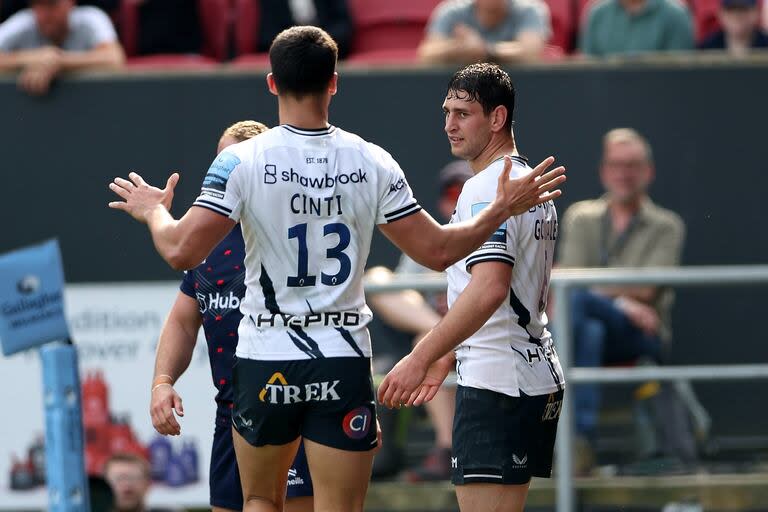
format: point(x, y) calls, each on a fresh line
point(488, 178)
point(87, 13)
point(367, 149)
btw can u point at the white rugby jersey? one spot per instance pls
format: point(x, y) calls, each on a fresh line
point(513, 351)
point(308, 202)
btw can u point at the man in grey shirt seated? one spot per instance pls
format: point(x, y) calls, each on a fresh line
point(501, 31)
point(54, 36)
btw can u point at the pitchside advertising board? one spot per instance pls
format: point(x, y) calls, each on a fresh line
point(115, 328)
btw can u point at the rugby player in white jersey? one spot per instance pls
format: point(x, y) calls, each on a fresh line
point(510, 384)
point(308, 196)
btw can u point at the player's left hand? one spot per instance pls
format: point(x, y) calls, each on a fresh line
point(397, 387)
point(140, 197)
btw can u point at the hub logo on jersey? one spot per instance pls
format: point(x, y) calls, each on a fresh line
point(218, 174)
point(498, 239)
point(357, 422)
point(278, 391)
point(318, 182)
point(217, 301)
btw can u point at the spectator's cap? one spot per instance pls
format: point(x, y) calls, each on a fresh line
point(453, 176)
point(738, 4)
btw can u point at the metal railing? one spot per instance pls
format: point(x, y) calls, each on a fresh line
point(563, 280)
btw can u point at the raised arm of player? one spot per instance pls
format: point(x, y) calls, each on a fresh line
point(488, 288)
point(182, 243)
point(174, 353)
point(437, 247)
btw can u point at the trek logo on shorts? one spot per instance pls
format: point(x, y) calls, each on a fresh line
point(218, 174)
point(357, 422)
point(552, 409)
point(278, 391)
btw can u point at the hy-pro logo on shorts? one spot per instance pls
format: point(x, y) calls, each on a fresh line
point(278, 391)
point(218, 173)
point(499, 236)
point(357, 422)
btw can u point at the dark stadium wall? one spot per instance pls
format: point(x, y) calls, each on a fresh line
point(706, 125)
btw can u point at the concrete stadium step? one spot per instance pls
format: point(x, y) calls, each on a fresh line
point(713, 493)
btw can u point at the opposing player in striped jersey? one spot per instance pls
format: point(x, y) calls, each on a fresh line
point(308, 196)
point(510, 384)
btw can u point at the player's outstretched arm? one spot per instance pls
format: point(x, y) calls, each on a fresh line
point(182, 243)
point(174, 353)
point(487, 289)
point(438, 247)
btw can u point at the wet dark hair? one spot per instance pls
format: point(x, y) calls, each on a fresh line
point(303, 60)
point(487, 84)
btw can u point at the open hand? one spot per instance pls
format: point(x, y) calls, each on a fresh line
point(521, 194)
point(401, 381)
point(140, 197)
point(436, 374)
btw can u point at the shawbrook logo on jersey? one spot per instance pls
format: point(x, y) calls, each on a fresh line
point(217, 301)
point(278, 391)
point(318, 182)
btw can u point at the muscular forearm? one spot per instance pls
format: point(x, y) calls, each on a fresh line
point(644, 294)
point(175, 348)
point(10, 61)
point(471, 310)
point(513, 51)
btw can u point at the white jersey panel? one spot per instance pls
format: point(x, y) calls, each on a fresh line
point(513, 351)
point(308, 202)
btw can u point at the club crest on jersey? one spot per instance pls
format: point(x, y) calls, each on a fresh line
point(278, 391)
point(219, 172)
point(499, 237)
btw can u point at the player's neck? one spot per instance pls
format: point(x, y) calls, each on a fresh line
point(496, 148)
point(309, 112)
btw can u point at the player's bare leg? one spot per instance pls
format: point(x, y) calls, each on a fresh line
point(264, 473)
point(339, 477)
point(492, 497)
point(299, 504)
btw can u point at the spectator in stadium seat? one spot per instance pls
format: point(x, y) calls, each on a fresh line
point(623, 228)
point(415, 314)
point(741, 30)
point(501, 31)
point(628, 27)
point(128, 476)
point(331, 15)
point(54, 36)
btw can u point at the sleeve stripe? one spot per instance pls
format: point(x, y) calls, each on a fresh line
point(397, 212)
point(200, 202)
point(213, 207)
point(415, 209)
point(490, 257)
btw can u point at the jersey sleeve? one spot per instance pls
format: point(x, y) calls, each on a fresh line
point(187, 286)
point(476, 196)
point(101, 28)
point(222, 190)
point(396, 199)
point(12, 30)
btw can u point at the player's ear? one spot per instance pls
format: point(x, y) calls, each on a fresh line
point(498, 118)
point(271, 85)
point(333, 84)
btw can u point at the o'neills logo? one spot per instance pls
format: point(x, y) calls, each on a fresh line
point(278, 391)
point(333, 318)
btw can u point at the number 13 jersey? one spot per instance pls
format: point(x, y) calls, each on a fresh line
point(308, 202)
point(513, 351)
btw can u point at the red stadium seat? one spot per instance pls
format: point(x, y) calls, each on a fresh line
point(246, 25)
point(563, 16)
point(705, 17)
point(390, 30)
point(252, 60)
point(215, 16)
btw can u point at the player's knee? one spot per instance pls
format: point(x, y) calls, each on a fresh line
point(261, 503)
